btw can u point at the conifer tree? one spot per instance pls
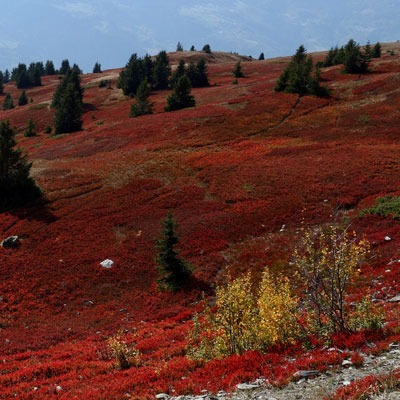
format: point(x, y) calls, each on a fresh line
point(69, 112)
point(72, 76)
point(40, 68)
point(76, 68)
point(355, 62)
point(368, 49)
point(34, 74)
point(174, 272)
point(207, 49)
point(180, 97)
point(298, 78)
point(65, 67)
point(179, 47)
point(130, 78)
point(198, 73)
point(68, 102)
point(202, 74)
point(237, 72)
point(8, 103)
point(6, 77)
point(1, 87)
point(191, 72)
point(330, 57)
point(49, 68)
point(162, 71)
point(22, 99)
point(97, 68)
point(376, 51)
point(339, 56)
point(148, 68)
point(192, 48)
point(21, 76)
point(16, 186)
point(180, 71)
point(142, 105)
point(261, 57)
point(30, 128)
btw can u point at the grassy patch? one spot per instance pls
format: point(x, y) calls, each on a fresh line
point(39, 106)
point(385, 206)
point(364, 119)
point(61, 135)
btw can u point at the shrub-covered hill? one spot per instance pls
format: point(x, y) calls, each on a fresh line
point(233, 170)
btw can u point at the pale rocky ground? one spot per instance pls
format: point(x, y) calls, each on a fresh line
point(317, 388)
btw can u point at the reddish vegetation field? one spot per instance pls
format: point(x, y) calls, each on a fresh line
point(233, 170)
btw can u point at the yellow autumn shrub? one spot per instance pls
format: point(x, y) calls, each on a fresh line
point(126, 356)
point(245, 319)
point(328, 262)
point(277, 309)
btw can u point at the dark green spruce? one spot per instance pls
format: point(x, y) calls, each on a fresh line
point(16, 186)
point(174, 272)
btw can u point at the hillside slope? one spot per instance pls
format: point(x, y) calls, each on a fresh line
point(233, 170)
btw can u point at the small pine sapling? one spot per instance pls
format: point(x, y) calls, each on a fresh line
point(174, 272)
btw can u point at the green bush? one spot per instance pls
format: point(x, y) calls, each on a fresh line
point(385, 207)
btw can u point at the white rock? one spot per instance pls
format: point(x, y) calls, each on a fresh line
point(388, 238)
point(107, 263)
point(346, 383)
point(247, 386)
point(346, 363)
point(162, 396)
point(58, 388)
point(394, 299)
point(306, 374)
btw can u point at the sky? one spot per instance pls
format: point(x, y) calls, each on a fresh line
point(109, 31)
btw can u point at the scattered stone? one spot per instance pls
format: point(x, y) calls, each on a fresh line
point(394, 299)
point(283, 227)
point(388, 238)
point(107, 263)
point(11, 242)
point(394, 261)
point(162, 396)
point(247, 386)
point(346, 383)
point(346, 363)
point(306, 374)
point(58, 388)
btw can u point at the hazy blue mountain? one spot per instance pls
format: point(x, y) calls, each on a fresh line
point(87, 31)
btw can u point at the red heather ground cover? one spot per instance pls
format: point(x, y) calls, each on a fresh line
point(233, 169)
